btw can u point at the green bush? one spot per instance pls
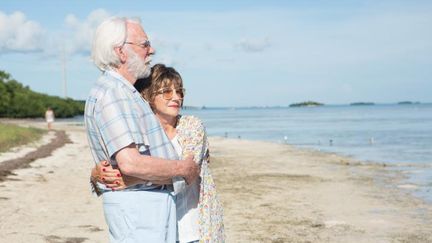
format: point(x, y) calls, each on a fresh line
point(17, 101)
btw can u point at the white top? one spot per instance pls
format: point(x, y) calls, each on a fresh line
point(49, 116)
point(187, 207)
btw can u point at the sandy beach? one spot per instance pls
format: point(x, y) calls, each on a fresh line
point(271, 193)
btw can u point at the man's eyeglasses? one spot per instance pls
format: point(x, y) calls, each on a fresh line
point(168, 93)
point(146, 44)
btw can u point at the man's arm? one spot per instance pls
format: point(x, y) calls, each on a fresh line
point(132, 163)
point(104, 173)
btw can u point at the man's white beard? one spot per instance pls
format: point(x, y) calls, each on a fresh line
point(137, 66)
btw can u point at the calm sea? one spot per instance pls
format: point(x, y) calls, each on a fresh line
point(385, 133)
point(398, 135)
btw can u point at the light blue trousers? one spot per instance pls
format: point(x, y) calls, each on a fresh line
point(140, 216)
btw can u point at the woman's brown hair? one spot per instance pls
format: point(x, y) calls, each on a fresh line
point(161, 77)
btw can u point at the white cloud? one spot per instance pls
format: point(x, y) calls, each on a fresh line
point(167, 60)
point(18, 34)
point(253, 45)
point(78, 40)
point(164, 43)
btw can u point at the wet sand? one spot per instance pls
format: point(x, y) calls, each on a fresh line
point(271, 193)
point(278, 193)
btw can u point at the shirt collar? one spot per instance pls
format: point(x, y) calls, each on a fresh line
point(120, 78)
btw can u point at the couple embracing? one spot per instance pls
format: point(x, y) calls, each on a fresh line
point(151, 163)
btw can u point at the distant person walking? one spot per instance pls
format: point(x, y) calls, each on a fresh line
point(49, 117)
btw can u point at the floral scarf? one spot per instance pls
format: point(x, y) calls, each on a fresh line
point(193, 140)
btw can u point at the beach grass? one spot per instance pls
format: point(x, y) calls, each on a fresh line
point(13, 135)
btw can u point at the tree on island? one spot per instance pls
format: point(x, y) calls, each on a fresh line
point(408, 103)
point(362, 103)
point(306, 104)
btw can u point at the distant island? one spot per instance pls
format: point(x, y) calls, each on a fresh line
point(301, 104)
point(408, 103)
point(188, 107)
point(362, 103)
point(306, 104)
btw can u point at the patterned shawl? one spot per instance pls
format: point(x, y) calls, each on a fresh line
point(193, 140)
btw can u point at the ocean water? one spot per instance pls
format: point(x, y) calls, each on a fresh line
point(384, 133)
point(398, 135)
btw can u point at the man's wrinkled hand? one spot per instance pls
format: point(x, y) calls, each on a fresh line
point(191, 170)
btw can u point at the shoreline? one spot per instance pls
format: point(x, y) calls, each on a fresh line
point(40, 123)
point(347, 160)
point(45, 150)
point(271, 193)
point(312, 196)
point(404, 171)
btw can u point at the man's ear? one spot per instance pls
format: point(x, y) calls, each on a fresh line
point(121, 54)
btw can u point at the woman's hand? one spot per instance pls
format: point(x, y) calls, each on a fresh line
point(104, 173)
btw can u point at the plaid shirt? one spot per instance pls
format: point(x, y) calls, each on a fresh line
point(116, 116)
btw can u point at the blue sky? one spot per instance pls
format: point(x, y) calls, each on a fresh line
point(236, 53)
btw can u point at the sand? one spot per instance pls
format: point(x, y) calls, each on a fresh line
point(271, 193)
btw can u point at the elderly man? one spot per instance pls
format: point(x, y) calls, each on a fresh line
point(122, 129)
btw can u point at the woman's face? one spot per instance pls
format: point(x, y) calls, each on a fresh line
point(168, 101)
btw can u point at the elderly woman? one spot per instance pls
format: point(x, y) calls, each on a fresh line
point(199, 212)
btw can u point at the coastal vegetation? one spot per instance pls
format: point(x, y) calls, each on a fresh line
point(408, 103)
point(19, 101)
point(362, 103)
point(306, 103)
point(188, 107)
point(13, 135)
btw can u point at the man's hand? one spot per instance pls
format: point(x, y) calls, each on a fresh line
point(189, 170)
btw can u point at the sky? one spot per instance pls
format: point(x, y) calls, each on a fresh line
point(235, 53)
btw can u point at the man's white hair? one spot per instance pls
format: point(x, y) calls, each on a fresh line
point(110, 33)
